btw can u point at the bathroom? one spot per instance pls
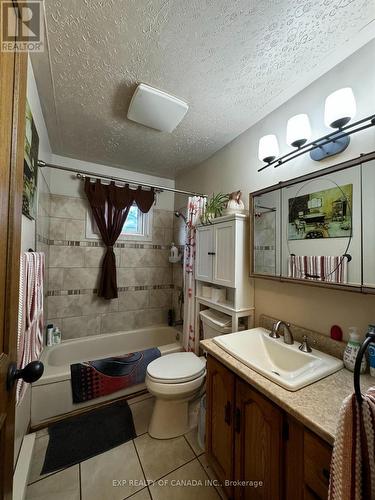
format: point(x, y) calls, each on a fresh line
point(199, 327)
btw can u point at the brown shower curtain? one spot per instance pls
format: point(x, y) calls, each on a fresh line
point(110, 206)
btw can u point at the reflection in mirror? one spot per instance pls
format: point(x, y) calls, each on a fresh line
point(266, 225)
point(320, 217)
point(368, 223)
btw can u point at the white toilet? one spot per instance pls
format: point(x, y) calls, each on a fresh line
point(175, 380)
point(178, 379)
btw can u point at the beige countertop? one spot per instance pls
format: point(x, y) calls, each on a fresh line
point(315, 406)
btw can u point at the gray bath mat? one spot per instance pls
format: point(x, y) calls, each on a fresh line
point(78, 438)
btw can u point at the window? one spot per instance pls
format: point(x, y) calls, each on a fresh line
point(137, 226)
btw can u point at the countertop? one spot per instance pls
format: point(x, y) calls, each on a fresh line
point(315, 406)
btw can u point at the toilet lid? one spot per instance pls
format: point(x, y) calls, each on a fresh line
point(176, 367)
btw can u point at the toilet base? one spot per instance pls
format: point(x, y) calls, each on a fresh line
point(169, 419)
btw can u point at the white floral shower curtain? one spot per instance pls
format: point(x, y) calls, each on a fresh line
point(194, 211)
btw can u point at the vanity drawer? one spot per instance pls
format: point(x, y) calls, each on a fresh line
point(317, 459)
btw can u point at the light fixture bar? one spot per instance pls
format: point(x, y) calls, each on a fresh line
point(322, 141)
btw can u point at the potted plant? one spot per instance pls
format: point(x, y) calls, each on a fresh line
point(214, 207)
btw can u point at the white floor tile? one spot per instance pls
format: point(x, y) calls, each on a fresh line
point(63, 485)
point(161, 456)
point(113, 475)
point(189, 482)
point(192, 439)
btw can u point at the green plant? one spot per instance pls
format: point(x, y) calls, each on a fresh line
point(214, 207)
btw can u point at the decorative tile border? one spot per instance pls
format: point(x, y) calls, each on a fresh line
point(99, 244)
point(94, 291)
point(264, 247)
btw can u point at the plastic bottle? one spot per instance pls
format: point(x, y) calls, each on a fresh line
point(56, 335)
point(351, 350)
point(173, 252)
point(371, 351)
point(49, 335)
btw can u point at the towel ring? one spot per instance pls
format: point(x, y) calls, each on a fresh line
point(370, 337)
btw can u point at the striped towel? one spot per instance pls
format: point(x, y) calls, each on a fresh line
point(353, 460)
point(30, 313)
point(321, 268)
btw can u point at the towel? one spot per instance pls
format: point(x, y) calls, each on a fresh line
point(93, 379)
point(353, 459)
point(321, 268)
point(30, 313)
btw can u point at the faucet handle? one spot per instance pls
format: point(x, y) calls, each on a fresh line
point(304, 347)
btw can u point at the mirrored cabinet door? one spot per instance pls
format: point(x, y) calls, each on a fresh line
point(368, 223)
point(321, 229)
point(266, 227)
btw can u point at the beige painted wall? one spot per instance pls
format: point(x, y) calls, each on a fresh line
point(235, 167)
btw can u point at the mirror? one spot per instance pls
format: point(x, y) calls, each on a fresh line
point(368, 218)
point(310, 228)
point(267, 233)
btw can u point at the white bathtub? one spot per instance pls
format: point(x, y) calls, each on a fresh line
point(52, 394)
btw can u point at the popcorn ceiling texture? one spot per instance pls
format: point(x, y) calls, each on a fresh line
point(227, 59)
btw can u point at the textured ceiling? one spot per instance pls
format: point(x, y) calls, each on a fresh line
point(226, 58)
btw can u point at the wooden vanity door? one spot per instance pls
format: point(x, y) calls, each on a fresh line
point(219, 420)
point(258, 445)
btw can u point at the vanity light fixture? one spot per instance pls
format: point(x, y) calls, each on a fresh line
point(298, 130)
point(268, 148)
point(340, 108)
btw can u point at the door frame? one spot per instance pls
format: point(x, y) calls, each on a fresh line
point(13, 85)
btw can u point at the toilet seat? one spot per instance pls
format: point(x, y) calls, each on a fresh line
point(176, 368)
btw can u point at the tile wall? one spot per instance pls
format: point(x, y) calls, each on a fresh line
point(42, 233)
point(144, 275)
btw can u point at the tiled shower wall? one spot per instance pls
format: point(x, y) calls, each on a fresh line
point(42, 232)
point(144, 275)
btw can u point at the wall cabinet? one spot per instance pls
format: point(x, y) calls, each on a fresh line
point(253, 442)
point(216, 254)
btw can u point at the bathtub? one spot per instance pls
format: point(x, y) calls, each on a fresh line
point(51, 395)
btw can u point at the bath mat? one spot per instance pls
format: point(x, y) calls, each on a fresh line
point(83, 436)
point(93, 379)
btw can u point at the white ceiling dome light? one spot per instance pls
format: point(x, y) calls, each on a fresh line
point(156, 109)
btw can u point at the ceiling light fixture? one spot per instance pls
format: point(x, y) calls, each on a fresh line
point(340, 108)
point(156, 109)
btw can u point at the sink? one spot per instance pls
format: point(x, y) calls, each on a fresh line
point(284, 364)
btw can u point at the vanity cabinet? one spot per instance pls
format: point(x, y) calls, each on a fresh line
point(249, 438)
point(220, 387)
point(257, 444)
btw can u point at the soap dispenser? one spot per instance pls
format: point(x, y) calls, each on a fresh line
point(352, 349)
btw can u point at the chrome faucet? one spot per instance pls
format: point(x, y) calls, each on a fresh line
point(288, 336)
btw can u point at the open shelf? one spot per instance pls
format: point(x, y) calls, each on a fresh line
point(225, 307)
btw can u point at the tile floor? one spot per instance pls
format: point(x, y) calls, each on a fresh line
point(141, 469)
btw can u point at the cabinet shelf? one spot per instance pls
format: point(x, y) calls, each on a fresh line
point(225, 307)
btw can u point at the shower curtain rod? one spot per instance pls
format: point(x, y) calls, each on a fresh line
point(81, 174)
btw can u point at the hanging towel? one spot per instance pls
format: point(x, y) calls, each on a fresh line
point(93, 379)
point(30, 313)
point(320, 268)
point(353, 459)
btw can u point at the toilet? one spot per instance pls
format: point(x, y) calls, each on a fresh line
point(175, 380)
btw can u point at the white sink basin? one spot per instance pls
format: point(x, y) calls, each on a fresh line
point(284, 364)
